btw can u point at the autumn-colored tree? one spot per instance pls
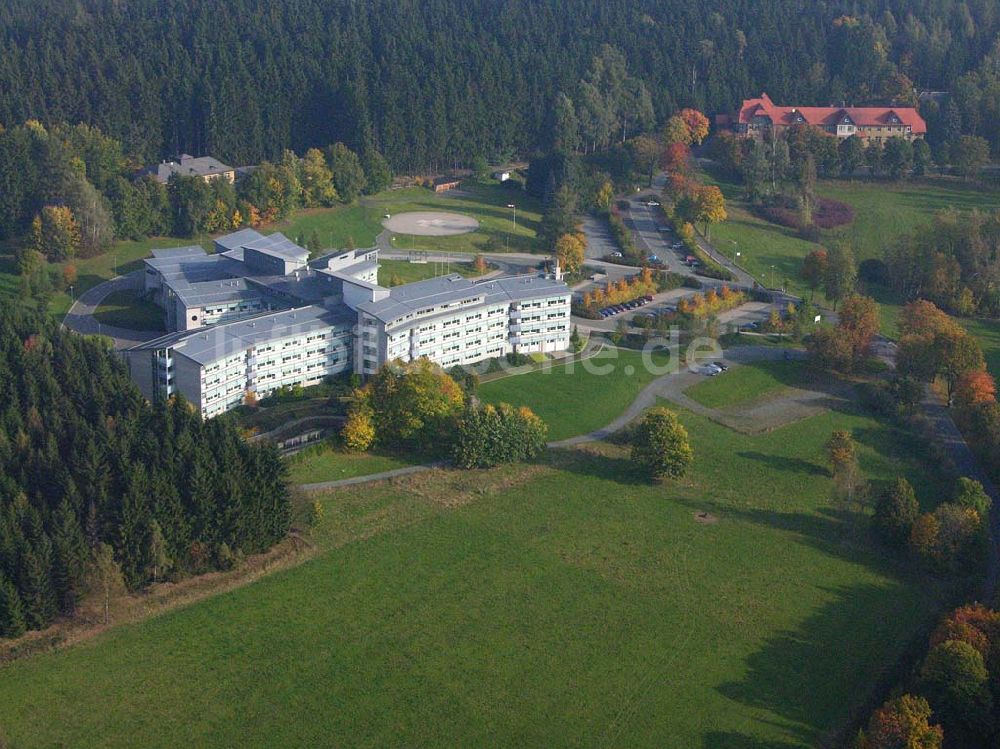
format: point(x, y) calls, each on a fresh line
point(924, 535)
point(974, 624)
point(570, 252)
point(317, 180)
point(605, 194)
point(813, 269)
point(677, 132)
point(903, 723)
point(922, 317)
point(413, 405)
point(975, 387)
point(711, 207)
point(358, 432)
point(69, 274)
point(859, 323)
point(479, 264)
point(676, 160)
point(841, 449)
point(55, 233)
point(696, 123)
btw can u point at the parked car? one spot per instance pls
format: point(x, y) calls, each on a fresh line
point(652, 204)
point(648, 297)
point(709, 370)
point(616, 254)
point(676, 245)
point(653, 258)
point(721, 365)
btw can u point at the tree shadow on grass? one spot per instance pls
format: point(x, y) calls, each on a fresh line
point(586, 461)
point(736, 740)
point(832, 668)
point(785, 464)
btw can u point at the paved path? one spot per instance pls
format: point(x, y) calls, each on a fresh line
point(671, 387)
point(80, 316)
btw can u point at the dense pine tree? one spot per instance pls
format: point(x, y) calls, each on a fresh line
point(85, 461)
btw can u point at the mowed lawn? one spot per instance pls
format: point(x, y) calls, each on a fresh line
point(559, 604)
point(883, 212)
point(403, 271)
point(748, 382)
point(128, 309)
point(333, 463)
point(487, 203)
point(579, 397)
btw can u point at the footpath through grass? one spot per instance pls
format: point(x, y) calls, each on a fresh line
point(579, 397)
point(559, 604)
point(748, 382)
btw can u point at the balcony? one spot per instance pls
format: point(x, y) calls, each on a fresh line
point(515, 314)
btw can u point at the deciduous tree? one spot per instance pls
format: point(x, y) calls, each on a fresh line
point(660, 445)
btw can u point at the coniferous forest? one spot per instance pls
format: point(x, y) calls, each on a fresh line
point(98, 486)
point(431, 83)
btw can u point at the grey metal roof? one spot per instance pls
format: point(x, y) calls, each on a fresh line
point(189, 269)
point(279, 245)
point(166, 253)
point(238, 238)
point(206, 345)
point(435, 292)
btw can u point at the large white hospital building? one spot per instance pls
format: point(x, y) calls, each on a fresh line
point(257, 315)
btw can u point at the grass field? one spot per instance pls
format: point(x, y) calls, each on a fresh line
point(336, 227)
point(988, 334)
point(332, 463)
point(560, 604)
point(570, 398)
point(748, 382)
point(486, 203)
point(128, 309)
point(407, 272)
point(883, 211)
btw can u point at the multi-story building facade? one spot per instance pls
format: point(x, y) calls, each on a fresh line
point(761, 117)
point(239, 331)
point(452, 320)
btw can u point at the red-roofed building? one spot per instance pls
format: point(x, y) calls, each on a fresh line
point(760, 116)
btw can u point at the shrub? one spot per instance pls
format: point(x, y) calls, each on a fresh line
point(954, 680)
point(358, 432)
point(492, 435)
point(896, 510)
point(660, 445)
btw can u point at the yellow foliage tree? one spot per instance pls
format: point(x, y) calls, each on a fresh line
point(570, 252)
point(359, 429)
point(710, 206)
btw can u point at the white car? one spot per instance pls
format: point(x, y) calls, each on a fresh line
point(709, 370)
point(653, 204)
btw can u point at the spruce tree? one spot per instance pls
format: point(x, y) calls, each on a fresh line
point(12, 619)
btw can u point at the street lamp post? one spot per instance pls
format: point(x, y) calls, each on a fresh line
point(772, 276)
point(514, 220)
point(72, 299)
point(736, 250)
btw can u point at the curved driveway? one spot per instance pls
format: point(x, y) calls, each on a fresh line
point(81, 314)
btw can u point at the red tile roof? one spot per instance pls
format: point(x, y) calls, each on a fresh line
point(829, 116)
